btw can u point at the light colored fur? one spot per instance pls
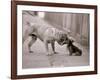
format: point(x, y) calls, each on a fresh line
point(46, 33)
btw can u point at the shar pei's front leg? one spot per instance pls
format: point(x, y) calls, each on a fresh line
point(49, 53)
point(53, 47)
point(46, 48)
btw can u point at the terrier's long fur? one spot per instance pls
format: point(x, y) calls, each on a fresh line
point(73, 49)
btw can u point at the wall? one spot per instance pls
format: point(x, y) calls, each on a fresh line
point(5, 50)
point(76, 25)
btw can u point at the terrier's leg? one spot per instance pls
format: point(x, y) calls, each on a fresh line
point(70, 51)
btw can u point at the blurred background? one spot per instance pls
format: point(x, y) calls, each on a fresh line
point(77, 24)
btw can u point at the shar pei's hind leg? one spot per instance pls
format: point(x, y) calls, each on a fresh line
point(33, 39)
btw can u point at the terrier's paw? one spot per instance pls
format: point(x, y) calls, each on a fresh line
point(78, 54)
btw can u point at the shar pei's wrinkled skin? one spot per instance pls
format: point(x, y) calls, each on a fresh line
point(47, 34)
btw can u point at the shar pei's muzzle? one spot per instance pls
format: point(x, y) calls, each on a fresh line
point(47, 34)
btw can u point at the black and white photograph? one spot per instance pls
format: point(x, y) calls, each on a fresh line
point(55, 39)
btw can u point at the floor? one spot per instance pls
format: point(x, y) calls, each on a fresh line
point(39, 58)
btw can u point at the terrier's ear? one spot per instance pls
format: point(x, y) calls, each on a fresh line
point(72, 40)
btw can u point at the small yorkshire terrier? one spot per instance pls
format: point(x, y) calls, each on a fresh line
point(73, 49)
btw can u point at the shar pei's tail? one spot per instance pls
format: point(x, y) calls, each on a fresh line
point(30, 24)
point(28, 31)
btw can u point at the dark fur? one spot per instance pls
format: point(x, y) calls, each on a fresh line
point(73, 49)
point(47, 34)
point(33, 36)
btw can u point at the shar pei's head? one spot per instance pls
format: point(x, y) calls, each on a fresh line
point(63, 39)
